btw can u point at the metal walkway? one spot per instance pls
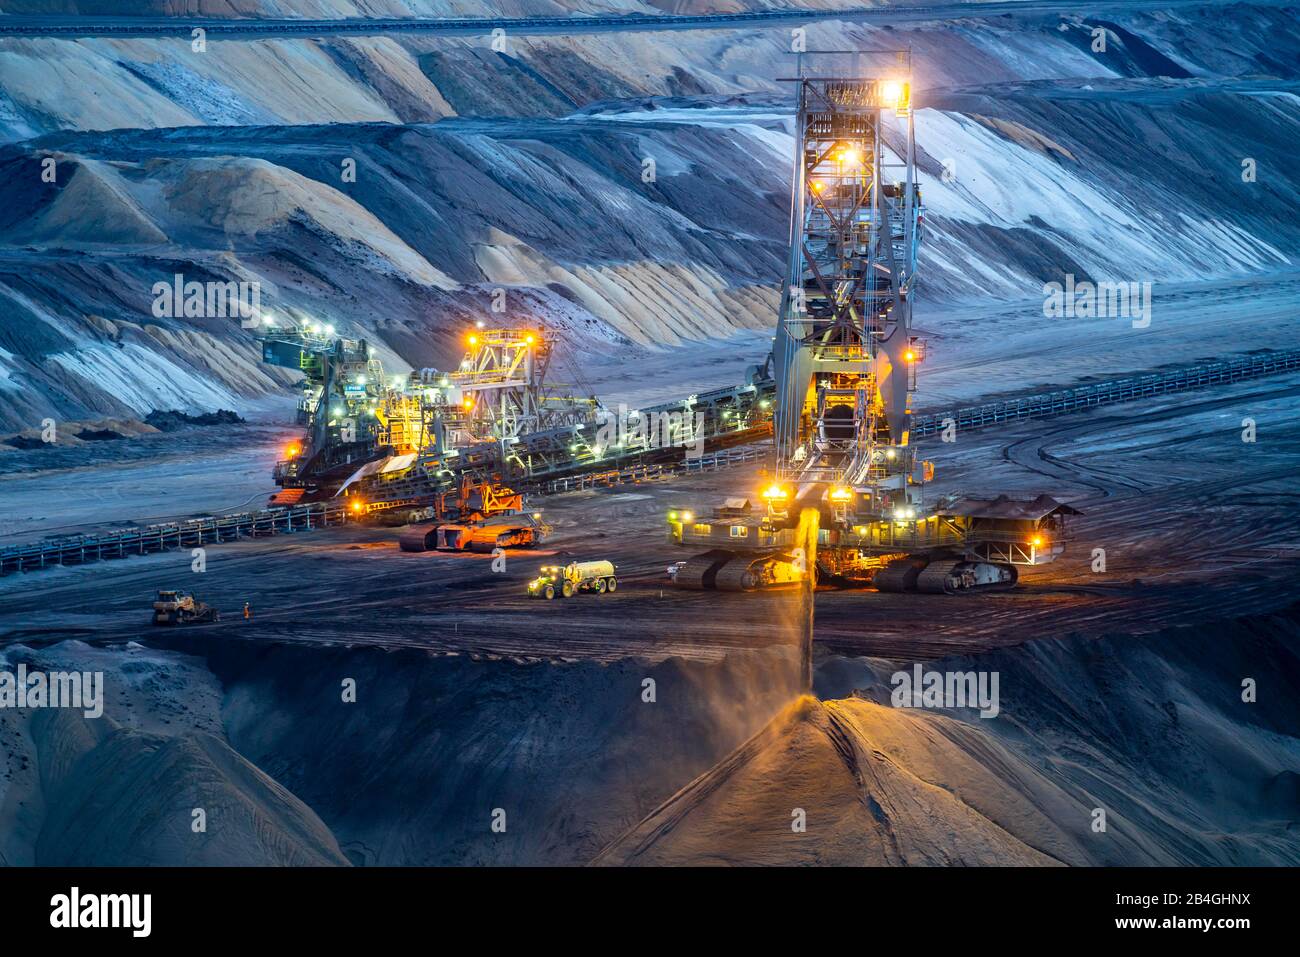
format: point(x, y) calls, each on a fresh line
point(1047, 404)
point(188, 533)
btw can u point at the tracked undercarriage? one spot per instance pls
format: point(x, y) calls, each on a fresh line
point(967, 545)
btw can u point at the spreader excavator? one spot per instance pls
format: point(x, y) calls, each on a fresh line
point(845, 360)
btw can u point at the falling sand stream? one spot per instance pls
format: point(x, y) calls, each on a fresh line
point(806, 543)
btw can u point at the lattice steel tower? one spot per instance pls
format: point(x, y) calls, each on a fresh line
point(845, 354)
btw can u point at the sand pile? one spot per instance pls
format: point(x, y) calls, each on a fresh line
point(122, 788)
point(1152, 731)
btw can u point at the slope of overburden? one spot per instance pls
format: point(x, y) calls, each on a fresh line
point(527, 171)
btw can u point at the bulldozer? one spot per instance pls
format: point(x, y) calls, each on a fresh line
point(179, 608)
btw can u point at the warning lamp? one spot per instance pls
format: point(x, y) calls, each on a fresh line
point(1036, 541)
point(291, 450)
point(356, 506)
point(530, 339)
point(473, 340)
point(909, 356)
point(775, 491)
point(469, 403)
point(817, 186)
point(893, 94)
point(841, 493)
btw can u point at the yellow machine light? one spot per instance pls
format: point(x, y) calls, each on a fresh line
point(537, 516)
point(530, 339)
point(672, 516)
point(850, 157)
point(909, 356)
point(817, 186)
point(891, 94)
point(1036, 541)
point(291, 450)
point(687, 516)
point(473, 340)
point(357, 506)
point(891, 454)
point(469, 403)
point(841, 494)
point(763, 404)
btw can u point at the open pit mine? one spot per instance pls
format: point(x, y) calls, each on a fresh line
point(628, 434)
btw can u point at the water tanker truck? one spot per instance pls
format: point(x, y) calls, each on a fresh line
point(568, 580)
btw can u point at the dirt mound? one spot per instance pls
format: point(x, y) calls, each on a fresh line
point(828, 767)
point(174, 419)
point(122, 788)
point(1153, 732)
